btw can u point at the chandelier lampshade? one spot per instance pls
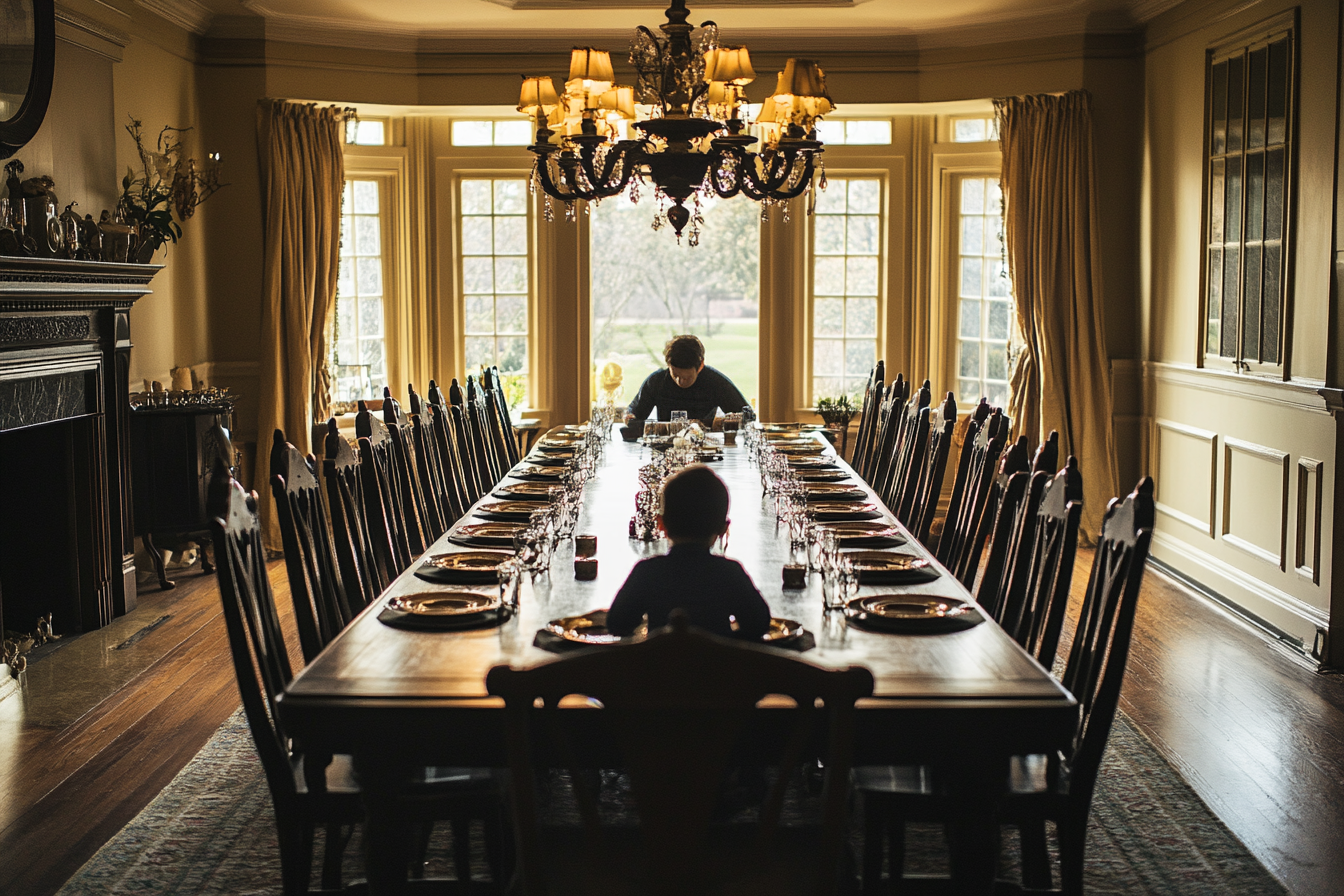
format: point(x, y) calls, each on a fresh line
point(687, 138)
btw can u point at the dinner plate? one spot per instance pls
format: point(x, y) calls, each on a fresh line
point(549, 460)
point(464, 567)
point(784, 440)
point(913, 613)
point(870, 532)
point(507, 511)
point(536, 474)
point(577, 428)
point(444, 603)
point(591, 629)
point(525, 491)
point(792, 427)
point(810, 462)
point(883, 567)
point(822, 475)
point(490, 534)
point(829, 512)
point(834, 491)
point(805, 449)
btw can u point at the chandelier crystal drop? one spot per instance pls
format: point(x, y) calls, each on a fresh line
point(688, 136)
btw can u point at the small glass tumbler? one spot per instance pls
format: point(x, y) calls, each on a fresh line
point(510, 574)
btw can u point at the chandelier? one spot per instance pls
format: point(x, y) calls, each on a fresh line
point(688, 138)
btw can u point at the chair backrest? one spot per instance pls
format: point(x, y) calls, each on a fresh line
point(320, 605)
point(442, 500)
point(420, 526)
point(678, 710)
point(891, 410)
point(471, 451)
point(497, 418)
point(383, 505)
point(364, 575)
point(256, 641)
point(980, 452)
point(1100, 648)
point(452, 460)
point(912, 440)
point(863, 439)
point(1034, 611)
point(996, 525)
point(482, 443)
point(1046, 458)
point(929, 486)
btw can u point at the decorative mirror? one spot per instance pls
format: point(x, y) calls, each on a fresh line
point(27, 63)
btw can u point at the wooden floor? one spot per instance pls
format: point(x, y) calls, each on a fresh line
point(1255, 729)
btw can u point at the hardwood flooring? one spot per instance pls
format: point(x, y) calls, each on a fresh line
point(1257, 732)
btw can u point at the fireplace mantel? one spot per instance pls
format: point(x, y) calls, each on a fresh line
point(65, 346)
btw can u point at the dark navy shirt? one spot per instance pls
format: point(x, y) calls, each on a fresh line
point(708, 587)
point(711, 390)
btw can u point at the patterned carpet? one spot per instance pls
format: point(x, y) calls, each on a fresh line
point(211, 832)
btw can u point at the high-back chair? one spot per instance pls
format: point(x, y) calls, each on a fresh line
point(482, 443)
point(470, 448)
point(985, 437)
point(497, 419)
point(891, 410)
point(1004, 582)
point(442, 503)
point(1034, 610)
point(677, 713)
point(451, 458)
point(422, 525)
point(996, 524)
point(863, 439)
point(912, 441)
point(363, 574)
point(321, 608)
point(383, 505)
point(929, 485)
point(1040, 789)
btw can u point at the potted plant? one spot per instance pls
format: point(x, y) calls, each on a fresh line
point(166, 184)
point(836, 413)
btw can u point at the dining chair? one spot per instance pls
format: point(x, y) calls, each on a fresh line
point(863, 439)
point(891, 411)
point(912, 441)
point(452, 460)
point(307, 791)
point(321, 608)
point(363, 573)
point(464, 428)
point(383, 505)
point(482, 442)
point(420, 527)
point(1005, 494)
point(928, 486)
point(1034, 610)
point(439, 490)
point(985, 437)
point(1041, 789)
point(497, 418)
point(677, 713)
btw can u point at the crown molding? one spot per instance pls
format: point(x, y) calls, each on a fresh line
point(90, 33)
point(185, 14)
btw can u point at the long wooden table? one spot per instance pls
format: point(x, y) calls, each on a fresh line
point(398, 699)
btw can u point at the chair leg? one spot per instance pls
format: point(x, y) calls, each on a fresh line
point(462, 848)
point(296, 856)
point(498, 849)
point(1035, 856)
point(895, 852)
point(1072, 846)
point(333, 848)
point(874, 827)
point(421, 834)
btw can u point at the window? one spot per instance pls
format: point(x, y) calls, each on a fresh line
point(855, 132)
point(366, 132)
point(496, 276)
point(985, 318)
point(846, 259)
point(359, 346)
point(711, 290)
point(975, 129)
point(467, 132)
point(1249, 104)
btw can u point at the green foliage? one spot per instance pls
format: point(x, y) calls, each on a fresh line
point(167, 184)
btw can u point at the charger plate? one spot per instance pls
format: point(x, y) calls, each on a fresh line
point(807, 449)
point(828, 512)
point(913, 614)
point(494, 534)
point(811, 462)
point(536, 474)
point(464, 567)
point(870, 533)
point(809, 475)
point(834, 491)
point(507, 511)
point(549, 460)
point(590, 630)
point(525, 491)
point(881, 567)
point(444, 603)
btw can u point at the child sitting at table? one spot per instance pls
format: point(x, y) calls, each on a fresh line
point(716, 593)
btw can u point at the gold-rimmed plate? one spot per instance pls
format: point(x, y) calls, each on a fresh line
point(833, 491)
point(807, 475)
point(535, 473)
point(591, 629)
point(914, 613)
point(812, 462)
point(444, 603)
point(829, 511)
point(464, 567)
point(507, 511)
point(863, 531)
point(804, 449)
point(883, 567)
point(495, 534)
point(525, 491)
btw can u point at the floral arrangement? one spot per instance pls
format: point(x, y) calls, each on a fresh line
point(837, 412)
point(166, 185)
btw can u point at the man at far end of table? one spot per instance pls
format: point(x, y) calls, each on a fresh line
point(716, 593)
point(687, 384)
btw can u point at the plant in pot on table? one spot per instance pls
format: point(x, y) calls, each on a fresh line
point(166, 185)
point(836, 414)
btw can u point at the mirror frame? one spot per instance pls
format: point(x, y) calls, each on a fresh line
point(17, 131)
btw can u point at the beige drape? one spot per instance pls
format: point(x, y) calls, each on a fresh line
point(1062, 379)
point(302, 177)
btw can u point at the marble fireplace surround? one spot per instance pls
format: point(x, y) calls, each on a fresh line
point(66, 534)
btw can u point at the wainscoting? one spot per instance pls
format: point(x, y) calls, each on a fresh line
point(1245, 483)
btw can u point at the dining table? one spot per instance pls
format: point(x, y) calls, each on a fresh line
point(399, 699)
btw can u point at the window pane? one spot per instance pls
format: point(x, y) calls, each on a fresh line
point(970, 130)
point(993, 198)
point(830, 277)
point(984, 311)
point(828, 317)
point(864, 197)
point(1255, 186)
point(478, 275)
point(970, 318)
point(358, 351)
point(972, 235)
point(511, 274)
point(1232, 231)
point(510, 197)
point(1255, 104)
point(1236, 107)
point(1276, 102)
point(997, 322)
point(862, 235)
point(511, 236)
point(367, 241)
point(513, 133)
point(869, 132)
point(830, 235)
point(1250, 303)
point(473, 133)
point(861, 276)
point(365, 194)
point(972, 196)
point(1272, 308)
point(1216, 200)
point(827, 356)
point(480, 314)
point(999, 284)
point(1218, 116)
point(972, 277)
point(859, 357)
point(1274, 194)
point(1231, 291)
point(479, 351)
point(996, 361)
point(511, 314)
point(370, 317)
point(969, 364)
point(861, 318)
point(476, 197)
point(369, 276)
point(477, 236)
point(512, 356)
point(1215, 281)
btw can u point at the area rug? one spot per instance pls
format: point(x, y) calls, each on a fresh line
point(211, 831)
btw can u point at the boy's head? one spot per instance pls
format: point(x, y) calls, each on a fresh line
point(695, 506)
point(685, 352)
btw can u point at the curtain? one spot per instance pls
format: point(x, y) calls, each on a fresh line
point(302, 179)
point(1061, 380)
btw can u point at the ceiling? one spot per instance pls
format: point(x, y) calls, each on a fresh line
point(406, 24)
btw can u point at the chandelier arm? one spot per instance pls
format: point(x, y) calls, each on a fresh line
point(618, 154)
point(776, 175)
point(552, 189)
point(803, 182)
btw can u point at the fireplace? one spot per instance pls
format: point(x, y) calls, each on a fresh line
point(66, 538)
